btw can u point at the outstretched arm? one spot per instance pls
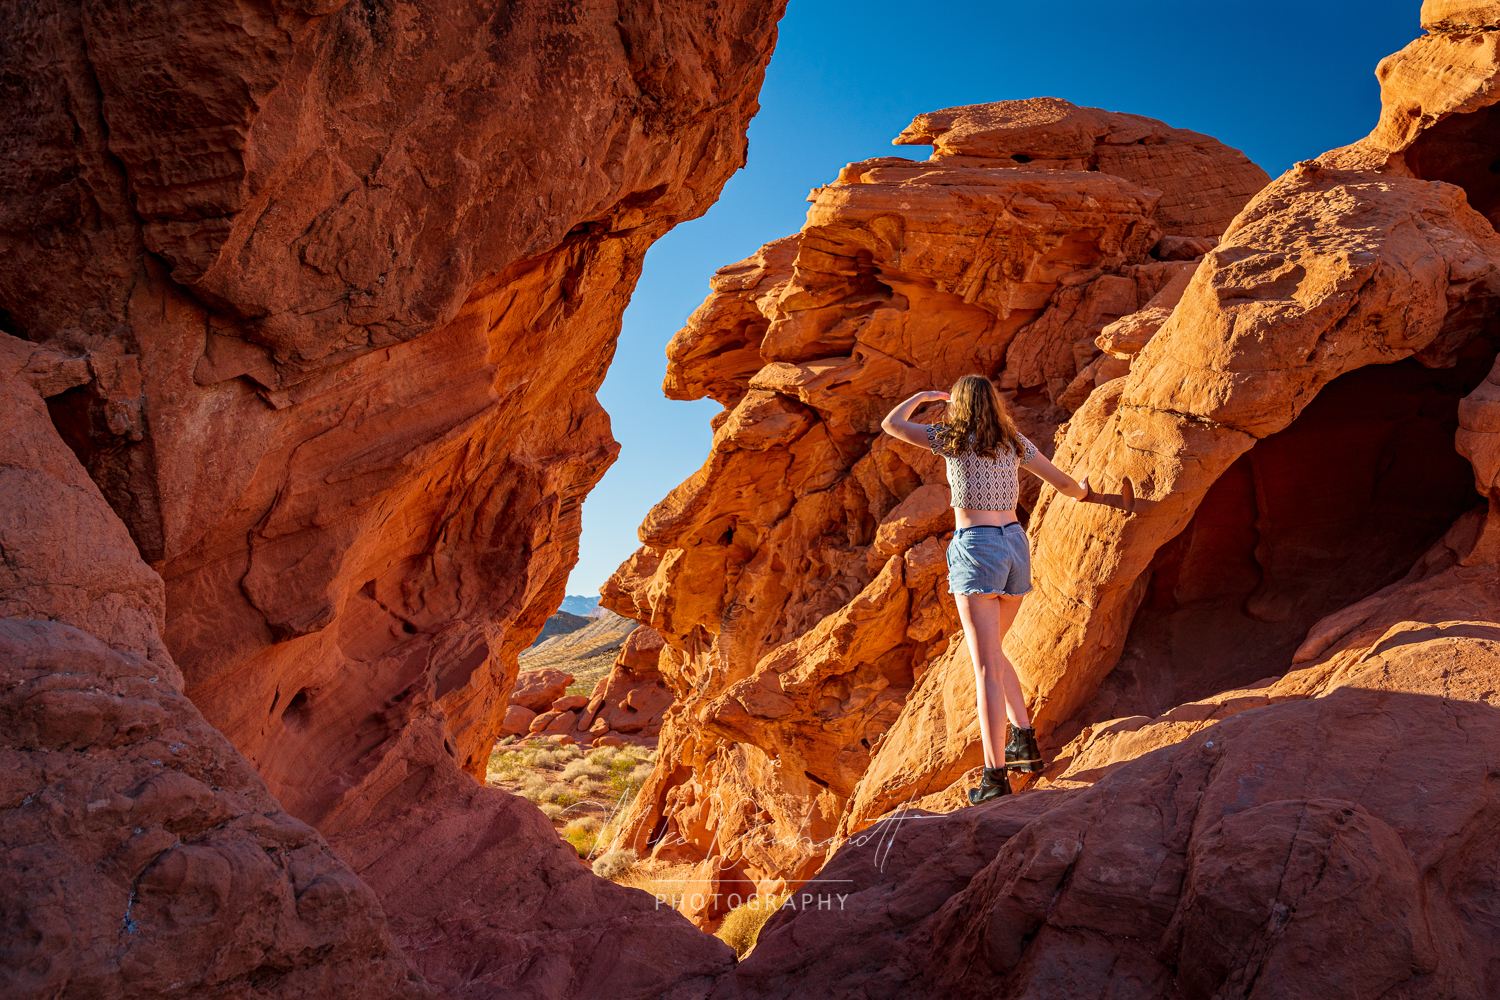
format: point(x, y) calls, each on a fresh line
point(898, 424)
point(1060, 480)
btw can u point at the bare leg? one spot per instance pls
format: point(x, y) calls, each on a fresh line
point(986, 619)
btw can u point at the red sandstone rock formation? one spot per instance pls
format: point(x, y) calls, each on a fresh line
point(320, 294)
point(538, 689)
point(1276, 679)
point(143, 854)
point(627, 704)
point(798, 577)
point(1222, 864)
point(633, 697)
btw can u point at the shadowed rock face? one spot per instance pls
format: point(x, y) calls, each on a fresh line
point(341, 282)
point(318, 294)
point(798, 578)
point(1311, 519)
point(143, 854)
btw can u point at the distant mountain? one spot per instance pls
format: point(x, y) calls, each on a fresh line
point(586, 652)
point(580, 604)
point(561, 624)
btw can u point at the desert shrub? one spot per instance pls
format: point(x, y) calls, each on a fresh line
point(589, 790)
point(535, 788)
point(532, 787)
point(664, 880)
point(583, 834)
point(513, 765)
point(614, 864)
point(741, 925)
point(551, 810)
point(627, 775)
point(583, 768)
point(554, 758)
point(604, 755)
point(560, 794)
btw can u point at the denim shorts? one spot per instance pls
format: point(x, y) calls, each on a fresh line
point(987, 559)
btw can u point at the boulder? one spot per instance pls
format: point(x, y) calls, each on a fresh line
point(517, 719)
point(538, 689)
point(633, 697)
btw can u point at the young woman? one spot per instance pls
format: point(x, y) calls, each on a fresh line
point(989, 565)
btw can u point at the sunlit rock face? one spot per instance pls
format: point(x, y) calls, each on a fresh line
point(1269, 692)
point(319, 294)
point(799, 577)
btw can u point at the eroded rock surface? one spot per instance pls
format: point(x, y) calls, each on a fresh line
point(319, 294)
point(1270, 689)
point(143, 853)
point(798, 578)
point(368, 344)
point(1221, 864)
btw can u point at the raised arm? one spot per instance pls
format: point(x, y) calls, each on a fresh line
point(898, 424)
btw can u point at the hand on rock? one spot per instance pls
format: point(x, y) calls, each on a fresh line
point(1124, 500)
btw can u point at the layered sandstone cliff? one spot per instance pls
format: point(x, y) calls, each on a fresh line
point(319, 295)
point(1271, 688)
point(798, 577)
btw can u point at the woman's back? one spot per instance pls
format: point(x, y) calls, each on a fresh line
point(980, 483)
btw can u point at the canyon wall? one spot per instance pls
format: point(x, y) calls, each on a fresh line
point(321, 292)
point(798, 578)
point(1270, 689)
point(143, 853)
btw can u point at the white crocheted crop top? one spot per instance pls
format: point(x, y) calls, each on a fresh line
point(979, 483)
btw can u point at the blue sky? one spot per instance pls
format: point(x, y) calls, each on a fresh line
point(1282, 81)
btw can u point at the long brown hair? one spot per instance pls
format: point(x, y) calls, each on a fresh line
point(978, 421)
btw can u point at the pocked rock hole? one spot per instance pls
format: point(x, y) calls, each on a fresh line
point(296, 715)
point(1310, 520)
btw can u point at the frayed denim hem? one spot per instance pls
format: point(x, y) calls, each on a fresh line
point(992, 593)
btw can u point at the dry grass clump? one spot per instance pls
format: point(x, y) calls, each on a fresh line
point(583, 767)
point(535, 788)
point(661, 879)
point(556, 757)
point(583, 834)
point(741, 926)
point(615, 863)
point(598, 790)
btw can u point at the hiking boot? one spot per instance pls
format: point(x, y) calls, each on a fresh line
point(1021, 753)
point(994, 784)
